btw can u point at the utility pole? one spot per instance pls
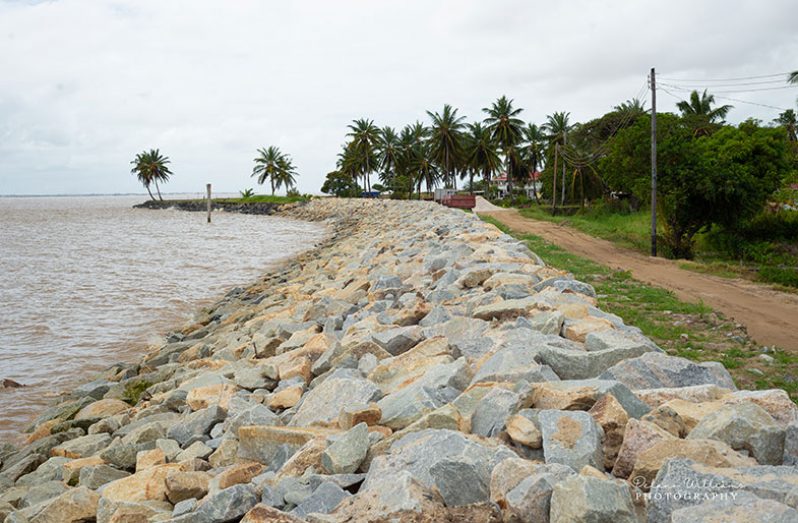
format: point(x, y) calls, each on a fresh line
point(554, 180)
point(562, 200)
point(653, 163)
point(208, 187)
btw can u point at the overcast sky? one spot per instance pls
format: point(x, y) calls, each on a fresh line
point(85, 84)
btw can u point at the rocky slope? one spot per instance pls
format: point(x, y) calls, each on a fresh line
point(419, 366)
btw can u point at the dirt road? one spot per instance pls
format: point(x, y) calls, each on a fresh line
point(770, 316)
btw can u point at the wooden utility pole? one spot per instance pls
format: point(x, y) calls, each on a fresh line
point(562, 199)
point(554, 180)
point(653, 163)
point(208, 187)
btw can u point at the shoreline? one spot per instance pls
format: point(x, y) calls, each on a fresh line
point(406, 366)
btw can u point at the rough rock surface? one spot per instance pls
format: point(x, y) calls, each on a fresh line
point(418, 365)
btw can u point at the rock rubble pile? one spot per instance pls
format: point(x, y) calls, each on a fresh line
point(420, 365)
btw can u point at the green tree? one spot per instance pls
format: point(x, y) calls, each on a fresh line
point(701, 114)
point(506, 130)
point(446, 141)
point(557, 126)
point(340, 184)
point(481, 154)
point(412, 146)
point(388, 151)
point(272, 165)
point(365, 137)
point(722, 179)
point(151, 167)
point(787, 120)
point(534, 149)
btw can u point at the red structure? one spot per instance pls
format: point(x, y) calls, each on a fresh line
point(460, 201)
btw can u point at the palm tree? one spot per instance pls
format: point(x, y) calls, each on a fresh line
point(481, 154)
point(446, 141)
point(535, 149)
point(793, 78)
point(388, 151)
point(365, 137)
point(506, 130)
point(412, 146)
point(151, 167)
point(271, 164)
point(700, 111)
point(558, 126)
point(425, 167)
point(631, 108)
point(787, 119)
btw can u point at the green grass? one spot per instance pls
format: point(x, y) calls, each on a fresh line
point(690, 330)
point(134, 390)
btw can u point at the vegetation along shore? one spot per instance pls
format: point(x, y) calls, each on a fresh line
point(420, 365)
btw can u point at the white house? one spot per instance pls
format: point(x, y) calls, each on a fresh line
point(529, 186)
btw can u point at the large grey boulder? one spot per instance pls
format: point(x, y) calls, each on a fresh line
point(574, 363)
point(744, 426)
point(589, 499)
point(458, 466)
point(675, 485)
point(95, 476)
point(322, 405)
point(323, 500)
point(791, 444)
point(196, 426)
point(491, 412)
point(399, 339)
point(227, 504)
point(346, 454)
point(657, 370)
point(523, 488)
point(571, 438)
point(742, 507)
point(514, 363)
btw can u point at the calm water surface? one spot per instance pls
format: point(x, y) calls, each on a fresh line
point(88, 281)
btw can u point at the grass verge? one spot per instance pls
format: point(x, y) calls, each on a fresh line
point(689, 330)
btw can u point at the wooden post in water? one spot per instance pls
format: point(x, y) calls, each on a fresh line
point(208, 186)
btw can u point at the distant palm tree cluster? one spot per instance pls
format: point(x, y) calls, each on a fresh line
point(151, 167)
point(448, 148)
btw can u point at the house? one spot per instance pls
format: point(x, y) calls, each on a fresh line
point(529, 186)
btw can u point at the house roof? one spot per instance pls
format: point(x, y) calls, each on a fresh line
point(533, 176)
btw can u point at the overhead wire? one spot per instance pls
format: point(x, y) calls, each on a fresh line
point(660, 88)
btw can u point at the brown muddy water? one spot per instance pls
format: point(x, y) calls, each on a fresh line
point(88, 281)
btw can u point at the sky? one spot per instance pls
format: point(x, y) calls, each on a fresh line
point(85, 84)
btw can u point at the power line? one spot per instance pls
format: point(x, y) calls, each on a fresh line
point(735, 90)
point(724, 98)
point(736, 84)
point(726, 79)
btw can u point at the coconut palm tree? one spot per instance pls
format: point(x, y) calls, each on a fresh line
point(412, 141)
point(425, 167)
point(631, 108)
point(700, 111)
point(534, 151)
point(446, 141)
point(365, 137)
point(151, 167)
point(506, 130)
point(481, 153)
point(558, 126)
point(388, 152)
point(271, 164)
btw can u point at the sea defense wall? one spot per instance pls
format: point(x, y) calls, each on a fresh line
point(419, 365)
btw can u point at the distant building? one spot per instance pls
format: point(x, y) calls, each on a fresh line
point(530, 186)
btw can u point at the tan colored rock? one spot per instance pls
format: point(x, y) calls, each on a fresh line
point(397, 372)
point(70, 472)
point(668, 419)
point(639, 437)
point(309, 455)
point(524, 432)
point(41, 431)
point(351, 415)
point(149, 458)
point(73, 506)
point(204, 397)
point(709, 452)
point(102, 409)
point(592, 472)
point(547, 395)
point(695, 393)
point(225, 454)
point(180, 485)
point(266, 514)
point(297, 366)
point(149, 484)
point(286, 398)
point(261, 442)
point(775, 402)
point(612, 417)
point(236, 474)
point(578, 330)
point(689, 412)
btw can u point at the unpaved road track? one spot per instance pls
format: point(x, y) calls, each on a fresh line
point(770, 316)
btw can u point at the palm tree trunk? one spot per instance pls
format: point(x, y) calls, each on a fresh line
point(562, 200)
point(271, 180)
point(149, 191)
point(554, 181)
point(471, 180)
point(158, 189)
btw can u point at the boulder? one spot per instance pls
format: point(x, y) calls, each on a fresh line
point(657, 370)
point(583, 394)
point(82, 447)
point(742, 507)
point(492, 411)
point(95, 476)
point(744, 426)
point(102, 409)
point(523, 488)
point(227, 505)
point(346, 454)
point(523, 431)
point(639, 437)
point(571, 438)
point(73, 506)
point(322, 405)
point(323, 500)
point(612, 418)
point(261, 513)
point(584, 498)
point(181, 486)
point(265, 443)
point(398, 340)
point(196, 426)
point(512, 364)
